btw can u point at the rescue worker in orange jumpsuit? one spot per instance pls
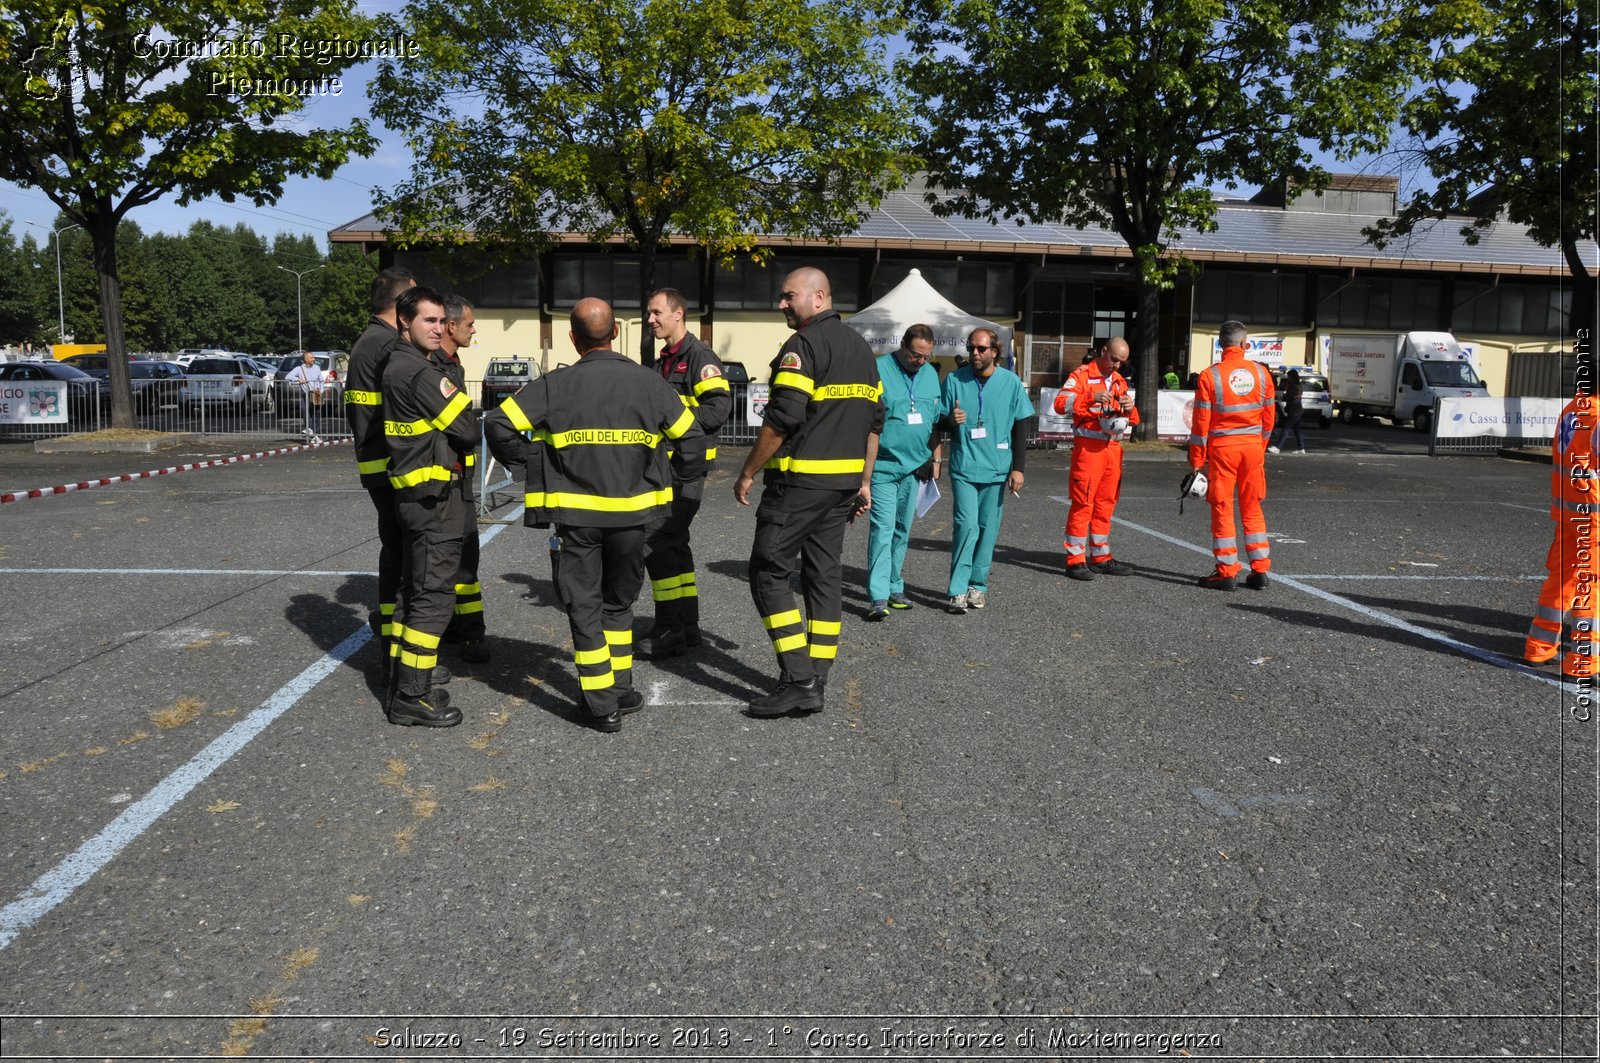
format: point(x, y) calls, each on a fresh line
point(1568, 595)
point(1234, 409)
point(1096, 390)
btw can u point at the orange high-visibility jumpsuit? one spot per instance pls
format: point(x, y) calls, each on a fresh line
point(1095, 478)
point(1234, 409)
point(1568, 595)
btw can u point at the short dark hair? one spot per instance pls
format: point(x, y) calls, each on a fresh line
point(1232, 334)
point(917, 332)
point(387, 286)
point(674, 298)
point(405, 307)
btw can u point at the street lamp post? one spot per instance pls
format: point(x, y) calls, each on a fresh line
point(299, 330)
point(61, 298)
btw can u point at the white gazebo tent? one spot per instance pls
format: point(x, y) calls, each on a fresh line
point(915, 301)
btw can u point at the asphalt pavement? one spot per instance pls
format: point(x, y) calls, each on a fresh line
point(1136, 819)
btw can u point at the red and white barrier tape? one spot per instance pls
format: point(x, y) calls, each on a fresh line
point(84, 485)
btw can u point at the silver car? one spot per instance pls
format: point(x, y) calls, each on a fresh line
point(1315, 400)
point(226, 380)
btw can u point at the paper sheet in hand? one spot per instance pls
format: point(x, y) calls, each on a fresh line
point(927, 495)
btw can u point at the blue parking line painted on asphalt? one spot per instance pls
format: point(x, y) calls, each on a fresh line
point(1367, 611)
point(61, 881)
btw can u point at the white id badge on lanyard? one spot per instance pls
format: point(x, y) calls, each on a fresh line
point(980, 432)
point(913, 417)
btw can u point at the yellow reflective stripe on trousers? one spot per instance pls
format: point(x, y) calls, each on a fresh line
point(599, 656)
point(598, 503)
point(826, 653)
point(825, 627)
point(423, 662)
point(514, 414)
point(417, 638)
point(788, 642)
point(778, 620)
point(597, 682)
point(375, 465)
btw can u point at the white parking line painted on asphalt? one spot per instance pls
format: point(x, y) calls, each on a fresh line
point(657, 696)
point(1425, 578)
point(61, 881)
point(1370, 613)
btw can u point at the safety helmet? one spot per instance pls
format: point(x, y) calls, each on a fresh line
point(1193, 485)
point(1115, 427)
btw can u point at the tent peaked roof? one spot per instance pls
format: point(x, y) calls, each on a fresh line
point(915, 301)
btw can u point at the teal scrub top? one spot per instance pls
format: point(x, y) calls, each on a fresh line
point(999, 403)
point(903, 446)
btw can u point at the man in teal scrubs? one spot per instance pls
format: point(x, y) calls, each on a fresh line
point(908, 455)
point(987, 410)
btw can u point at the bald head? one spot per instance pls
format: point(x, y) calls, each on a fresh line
point(593, 325)
point(806, 293)
point(1113, 355)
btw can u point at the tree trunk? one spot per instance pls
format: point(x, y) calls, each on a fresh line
point(1582, 323)
point(103, 234)
point(1146, 340)
point(647, 284)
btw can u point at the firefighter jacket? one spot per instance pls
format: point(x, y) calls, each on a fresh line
point(1077, 398)
point(451, 364)
point(1234, 405)
point(428, 424)
point(695, 373)
point(363, 400)
point(596, 457)
point(825, 400)
point(1575, 468)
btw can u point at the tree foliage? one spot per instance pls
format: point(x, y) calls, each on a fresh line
point(716, 120)
point(102, 119)
point(1121, 113)
point(1505, 109)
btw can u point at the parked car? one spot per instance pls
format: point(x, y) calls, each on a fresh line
point(504, 377)
point(225, 381)
point(1315, 399)
point(189, 354)
point(84, 392)
point(156, 384)
point(334, 365)
point(97, 365)
point(735, 372)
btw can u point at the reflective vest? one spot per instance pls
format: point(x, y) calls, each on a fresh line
point(1234, 404)
point(1574, 467)
point(825, 400)
point(1077, 397)
point(428, 423)
point(597, 457)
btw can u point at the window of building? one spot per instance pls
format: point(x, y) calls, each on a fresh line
point(514, 284)
point(1511, 309)
point(1256, 298)
point(987, 289)
point(1399, 303)
point(615, 278)
point(749, 286)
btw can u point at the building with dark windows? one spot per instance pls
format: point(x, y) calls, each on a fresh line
point(1294, 272)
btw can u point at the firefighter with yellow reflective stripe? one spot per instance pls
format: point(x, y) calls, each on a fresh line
point(596, 468)
point(695, 373)
point(1567, 598)
point(429, 423)
point(363, 399)
point(817, 445)
point(467, 629)
point(1234, 408)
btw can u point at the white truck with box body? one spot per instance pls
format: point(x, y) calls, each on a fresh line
point(1398, 375)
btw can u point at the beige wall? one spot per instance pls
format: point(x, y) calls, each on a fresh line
point(1492, 358)
point(501, 334)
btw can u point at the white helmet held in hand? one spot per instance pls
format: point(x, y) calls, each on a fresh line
point(1193, 485)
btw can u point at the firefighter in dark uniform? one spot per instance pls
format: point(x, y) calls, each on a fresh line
point(363, 401)
point(429, 425)
point(596, 468)
point(467, 629)
point(695, 373)
point(817, 444)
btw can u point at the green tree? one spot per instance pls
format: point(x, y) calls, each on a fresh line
point(1506, 109)
point(714, 120)
point(336, 299)
point(103, 120)
point(1122, 113)
point(21, 305)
